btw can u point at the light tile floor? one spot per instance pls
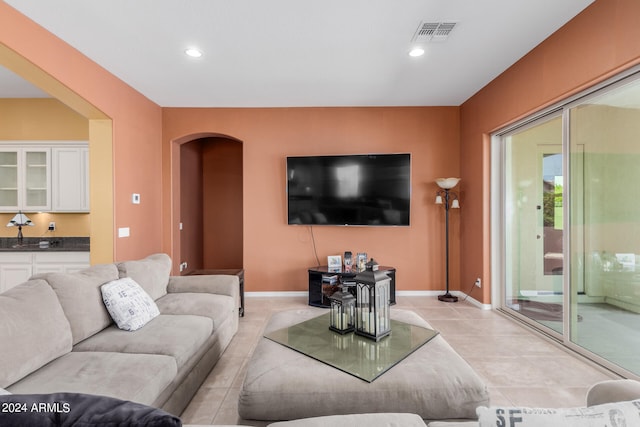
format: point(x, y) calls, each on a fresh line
point(519, 367)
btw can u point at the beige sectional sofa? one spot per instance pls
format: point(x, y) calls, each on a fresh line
point(57, 336)
point(606, 402)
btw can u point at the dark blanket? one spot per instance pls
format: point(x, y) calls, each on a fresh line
point(76, 409)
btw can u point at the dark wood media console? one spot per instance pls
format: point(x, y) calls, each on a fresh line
point(319, 290)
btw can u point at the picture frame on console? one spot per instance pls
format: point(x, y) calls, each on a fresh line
point(334, 263)
point(361, 261)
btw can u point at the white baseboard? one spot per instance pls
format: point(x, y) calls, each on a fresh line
point(276, 294)
point(305, 294)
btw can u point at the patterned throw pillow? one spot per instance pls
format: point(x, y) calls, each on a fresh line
point(618, 414)
point(128, 304)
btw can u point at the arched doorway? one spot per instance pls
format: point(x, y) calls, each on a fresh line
point(211, 235)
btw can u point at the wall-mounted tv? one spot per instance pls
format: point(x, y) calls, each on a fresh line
point(361, 189)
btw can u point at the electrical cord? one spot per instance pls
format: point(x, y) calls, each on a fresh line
point(313, 240)
point(469, 293)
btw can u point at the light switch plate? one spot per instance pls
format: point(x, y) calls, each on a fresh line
point(135, 198)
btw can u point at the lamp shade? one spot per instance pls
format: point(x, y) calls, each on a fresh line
point(455, 204)
point(438, 199)
point(20, 219)
point(447, 183)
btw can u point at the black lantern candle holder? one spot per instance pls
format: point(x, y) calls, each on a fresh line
point(342, 313)
point(373, 302)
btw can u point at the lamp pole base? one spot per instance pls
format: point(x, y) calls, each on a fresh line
point(448, 297)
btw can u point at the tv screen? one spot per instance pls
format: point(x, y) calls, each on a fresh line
point(366, 189)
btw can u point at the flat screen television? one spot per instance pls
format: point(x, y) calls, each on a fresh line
point(360, 190)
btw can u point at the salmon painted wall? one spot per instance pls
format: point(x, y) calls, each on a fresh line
point(191, 202)
point(276, 255)
point(222, 201)
point(572, 59)
point(135, 121)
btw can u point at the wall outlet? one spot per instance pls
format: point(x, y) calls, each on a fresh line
point(183, 266)
point(478, 282)
point(52, 226)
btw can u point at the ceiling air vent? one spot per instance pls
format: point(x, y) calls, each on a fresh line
point(433, 31)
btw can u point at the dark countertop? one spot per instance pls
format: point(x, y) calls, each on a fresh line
point(56, 244)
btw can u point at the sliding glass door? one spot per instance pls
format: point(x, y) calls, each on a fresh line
point(569, 223)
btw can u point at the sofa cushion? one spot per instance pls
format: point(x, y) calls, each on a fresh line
point(364, 420)
point(453, 424)
point(79, 409)
point(33, 330)
point(136, 377)
point(152, 273)
point(79, 295)
point(216, 307)
point(609, 414)
point(128, 304)
point(178, 336)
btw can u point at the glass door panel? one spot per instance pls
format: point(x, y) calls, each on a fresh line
point(534, 222)
point(36, 179)
point(605, 225)
point(9, 179)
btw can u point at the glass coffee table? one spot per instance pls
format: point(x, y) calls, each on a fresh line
point(354, 354)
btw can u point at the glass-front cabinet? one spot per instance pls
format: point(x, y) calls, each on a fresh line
point(9, 179)
point(25, 179)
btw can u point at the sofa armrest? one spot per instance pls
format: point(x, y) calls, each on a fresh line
point(220, 284)
point(613, 391)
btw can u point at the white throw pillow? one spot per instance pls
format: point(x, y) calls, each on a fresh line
point(618, 414)
point(128, 304)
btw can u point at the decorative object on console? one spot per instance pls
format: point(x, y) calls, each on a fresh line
point(448, 199)
point(373, 302)
point(361, 261)
point(334, 262)
point(20, 220)
point(348, 261)
point(343, 305)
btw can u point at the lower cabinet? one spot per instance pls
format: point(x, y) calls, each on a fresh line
point(18, 267)
point(15, 268)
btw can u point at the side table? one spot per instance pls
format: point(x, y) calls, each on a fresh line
point(231, 272)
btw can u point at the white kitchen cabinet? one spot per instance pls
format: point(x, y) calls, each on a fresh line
point(18, 267)
point(60, 262)
point(70, 178)
point(44, 176)
point(15, 268)
point(25, 178)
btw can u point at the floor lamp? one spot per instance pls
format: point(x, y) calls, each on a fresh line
point(449, 200)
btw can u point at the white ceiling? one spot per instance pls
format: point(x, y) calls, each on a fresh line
point(290, 53)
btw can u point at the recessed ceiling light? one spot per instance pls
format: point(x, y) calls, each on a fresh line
point(193, 52)
point(416, 51)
